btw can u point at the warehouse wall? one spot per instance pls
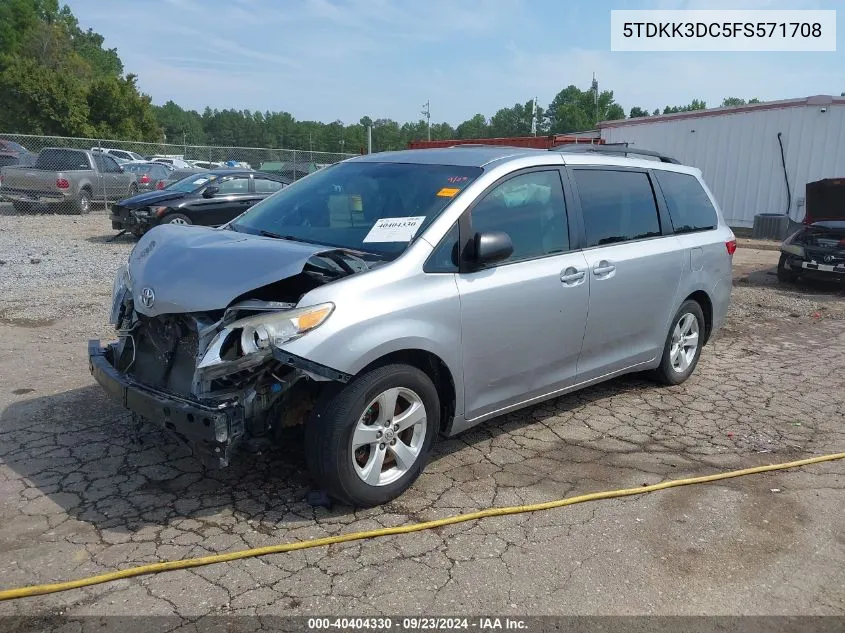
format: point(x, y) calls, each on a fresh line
point(740, 157)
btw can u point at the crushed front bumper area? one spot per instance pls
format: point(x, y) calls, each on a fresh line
point(825, 265)
point(210, 431)
point(129, 219)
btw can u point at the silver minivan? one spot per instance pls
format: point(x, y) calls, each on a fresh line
point(396, 297)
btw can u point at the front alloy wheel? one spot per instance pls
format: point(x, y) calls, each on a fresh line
point(366, 443)
point(389, 436)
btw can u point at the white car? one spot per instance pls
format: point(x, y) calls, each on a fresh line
point(177, 163)
point(119, 153)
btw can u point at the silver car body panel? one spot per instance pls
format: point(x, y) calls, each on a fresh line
point(509, 336)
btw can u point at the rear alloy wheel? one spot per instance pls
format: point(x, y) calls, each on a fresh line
point(83, 203)
point(370, 441)
point(176, 218)
point(785, 274)
point(683, 345)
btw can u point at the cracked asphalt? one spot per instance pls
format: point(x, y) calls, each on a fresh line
point(81, 494)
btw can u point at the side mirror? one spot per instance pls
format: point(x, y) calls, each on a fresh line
point(210, 191)
point(121, 169)
point(491, 247)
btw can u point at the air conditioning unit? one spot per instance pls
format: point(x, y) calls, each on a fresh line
point(770, 226)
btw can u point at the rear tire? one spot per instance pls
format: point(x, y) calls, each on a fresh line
point(683, 345)
point(82, 205)
point(786, 275)
point(176, 218)
point(359, 449)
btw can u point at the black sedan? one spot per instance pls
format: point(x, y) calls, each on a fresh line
point(209, 198)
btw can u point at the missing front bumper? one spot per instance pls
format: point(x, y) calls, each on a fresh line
point(211, 432)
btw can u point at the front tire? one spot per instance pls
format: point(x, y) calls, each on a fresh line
point(683, 345)
point(176, 218)
point(370, 441)
point(786, 275)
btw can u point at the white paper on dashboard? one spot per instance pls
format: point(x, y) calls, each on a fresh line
point(394, 229)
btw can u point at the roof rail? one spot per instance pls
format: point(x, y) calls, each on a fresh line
point(612, 149)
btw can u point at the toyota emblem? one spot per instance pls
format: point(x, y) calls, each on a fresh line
point(148, 297)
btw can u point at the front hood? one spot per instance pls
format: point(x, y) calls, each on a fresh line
point(151, 198)
point(198, 269)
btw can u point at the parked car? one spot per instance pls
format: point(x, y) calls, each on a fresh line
point(204, 164)
point(398, 296)
point(119, 153)
point(151, 176)
point(177, 163)
point(180, 174)
point(12, 153)
point(66, 180)
point(817, 249)
point(210, 198)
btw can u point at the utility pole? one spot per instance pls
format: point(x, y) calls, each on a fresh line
point(427, 113)
point(534, 117)
point(595, 88)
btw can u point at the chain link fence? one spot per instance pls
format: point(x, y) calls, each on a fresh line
point(56, 174)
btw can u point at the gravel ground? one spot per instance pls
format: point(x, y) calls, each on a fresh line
point(80, 493)
point(57, 266)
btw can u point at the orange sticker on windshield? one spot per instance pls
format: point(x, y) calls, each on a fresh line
point(448, 192)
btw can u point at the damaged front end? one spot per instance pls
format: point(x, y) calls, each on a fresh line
point(215, 378)
point(817, 249)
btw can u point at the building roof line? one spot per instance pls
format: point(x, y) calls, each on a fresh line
point(816, 100)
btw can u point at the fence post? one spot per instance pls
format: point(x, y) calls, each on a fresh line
point(102, 175)
point(294, 164)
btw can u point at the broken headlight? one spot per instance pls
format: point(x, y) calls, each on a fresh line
point(121, 285)
point(792, 245)
point(261, 331)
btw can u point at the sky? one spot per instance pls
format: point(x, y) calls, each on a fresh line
point(329, 60)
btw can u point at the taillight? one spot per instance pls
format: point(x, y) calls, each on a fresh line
point(144, 179)
point(731, 246)
point(62, 183)
point(160, 184)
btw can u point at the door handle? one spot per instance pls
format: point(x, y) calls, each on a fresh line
point(572, 275)
point(603, 268)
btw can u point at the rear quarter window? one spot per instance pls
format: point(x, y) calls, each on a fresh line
point(689, 206)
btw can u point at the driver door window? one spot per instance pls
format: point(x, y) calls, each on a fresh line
point(530, 208)
point(232, 186)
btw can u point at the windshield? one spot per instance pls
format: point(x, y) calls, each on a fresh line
point(363, 206)
point(191, 183)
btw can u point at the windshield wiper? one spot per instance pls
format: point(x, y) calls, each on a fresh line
point(291, 238)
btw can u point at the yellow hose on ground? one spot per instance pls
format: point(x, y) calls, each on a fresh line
point(37, 590)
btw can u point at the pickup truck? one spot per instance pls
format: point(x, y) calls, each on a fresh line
point(67, 180)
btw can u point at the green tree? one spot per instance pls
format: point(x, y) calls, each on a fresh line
point(695, 104)
point(637, 112)
point(36, 99)
point(118, 110)
point(575, 110)
point(476, 127)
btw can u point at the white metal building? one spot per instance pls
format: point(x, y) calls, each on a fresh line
point(739, 152)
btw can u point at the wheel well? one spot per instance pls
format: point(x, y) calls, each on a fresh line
point(702, 299)
point(435, 368)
